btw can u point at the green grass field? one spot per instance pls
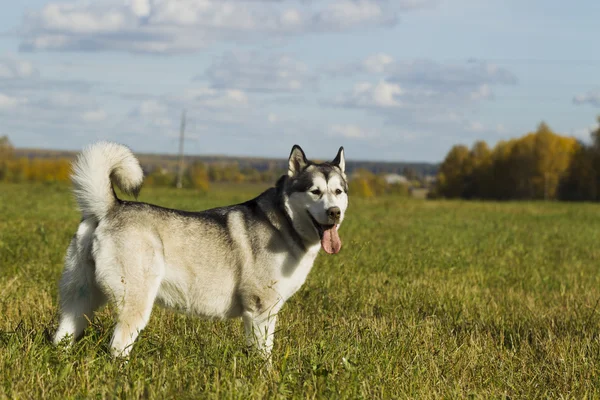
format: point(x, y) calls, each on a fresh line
point(426, 300)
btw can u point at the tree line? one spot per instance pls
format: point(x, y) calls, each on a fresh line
point(540, 165)
point(47, 166)
point(196, 175)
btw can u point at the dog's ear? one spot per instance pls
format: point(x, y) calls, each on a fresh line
point(297, 161)
point(339, 160)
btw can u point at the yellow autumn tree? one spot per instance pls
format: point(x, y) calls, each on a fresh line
point(361, 188)
point(48, 170)
point(160, 177)
point(552, 156)
point(531, 167)
point(453, 172)
point(479, 165)
point(501, 181)
point(365, 183)
point(6, 156)
point(537, 163)
point(581, 180)
point(197, 175)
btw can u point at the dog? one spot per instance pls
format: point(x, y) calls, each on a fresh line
point(243, 260)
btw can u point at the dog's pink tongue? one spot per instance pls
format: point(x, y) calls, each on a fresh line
point(331, 241)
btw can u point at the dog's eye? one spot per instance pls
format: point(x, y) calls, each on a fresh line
point(338, 191)
point(316, 192)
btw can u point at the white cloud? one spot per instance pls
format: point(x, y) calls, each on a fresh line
point(350, 131)
point(584, 133)
point(207, 109)
point(424, 95)
point(151, 107)
point(367, 95)
point(345, 14)
point(447, 77)
point(7, 102)
point(140, 8)
point(65, 99)
point(154, 114)
point(253, 71)
point(94, 115)
point(292, 18)
point(166, 26)
point(483, 92)
point(592, 98)
point(164, 112)
point(431, 82)
point(475, 126)
point(434, 109)
point(463, 123)
point(70, 17)
point(210, 98)
point(12, 68)
point(378, 63)
point(27, 99)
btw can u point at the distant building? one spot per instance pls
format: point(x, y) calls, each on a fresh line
point(419, 193)
point(430, 180)
point(395, 179)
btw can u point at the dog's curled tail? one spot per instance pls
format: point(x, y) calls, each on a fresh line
point(94, 171)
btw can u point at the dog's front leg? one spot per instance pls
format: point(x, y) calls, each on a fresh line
point(260, 331)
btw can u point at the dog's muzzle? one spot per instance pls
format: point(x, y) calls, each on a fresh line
point(334, 214)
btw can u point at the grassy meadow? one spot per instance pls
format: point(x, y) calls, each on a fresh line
point(440, 299)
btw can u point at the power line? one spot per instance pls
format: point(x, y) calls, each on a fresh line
point(181, 141)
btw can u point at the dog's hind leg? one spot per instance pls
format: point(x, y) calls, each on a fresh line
point(133, 314)
point(80, 296)
point(133, 285)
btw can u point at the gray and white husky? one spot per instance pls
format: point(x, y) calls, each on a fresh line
point(243, 260)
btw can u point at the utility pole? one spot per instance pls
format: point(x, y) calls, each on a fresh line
point(181, 140)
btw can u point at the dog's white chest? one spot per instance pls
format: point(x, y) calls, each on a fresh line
point(292, 274)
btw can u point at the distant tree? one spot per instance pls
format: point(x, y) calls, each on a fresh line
point(479, 163)
point(553, 155)
point(521, 166)
point(537, 162)
point(6, 148)
point(251, 175)
point(48, 170)
point(6, 155)
point(582, 179)
point(270, 175)
point(410, 173)
point(161, 178)
point(501, 175)
point(197, 175)
point(215, 173)
point(398, 189)
point(531, 167)
point(595, 134)
point(364, 183)
point(229, 172)
point(453, 173)
point(17, 171)
point(361, 188)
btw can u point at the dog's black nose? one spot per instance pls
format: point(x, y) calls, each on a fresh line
point(334, 214)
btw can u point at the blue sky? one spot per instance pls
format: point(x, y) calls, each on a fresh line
point(397, 80)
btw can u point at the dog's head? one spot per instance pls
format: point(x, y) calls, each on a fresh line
point(318, 197)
